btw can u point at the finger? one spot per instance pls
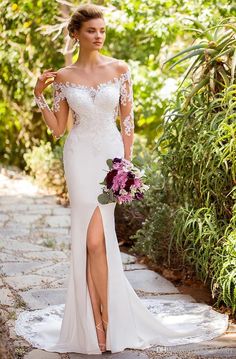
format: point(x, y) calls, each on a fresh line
point(49, 82)
point(48, 69)
point(50, 76)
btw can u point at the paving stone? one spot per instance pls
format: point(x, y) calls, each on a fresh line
point(12, 333)
point(60, 283)
point(64, 239)
point(126, 354)
point(52, 230)
point(224, 340)
point(17, 199)
point(48, 199)
point(41, 298)
point(12, 232)
point(134, 266)
point(26, 219)
point(15, 245)
point(40, 237)
point(204, 346)
point(58, 270)
point(231, 328)
point(44, 255)
point(61, 210)
point(41, 354)
point(58, 239)
point(6, 298)
point(170, 297)
point(6, 257)
point(13, 207)
point(127, 258)
point(28, 281)
point(40, 207)
point(57, 221)
point(6, 200)
point(40, 211)
point(217, 353)
point(149, 281)
point(3, 218)
point(10, 269)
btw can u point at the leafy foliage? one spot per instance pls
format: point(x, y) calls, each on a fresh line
point(45, 166)
point(196, 156)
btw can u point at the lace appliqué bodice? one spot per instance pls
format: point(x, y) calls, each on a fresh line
point(95, 109)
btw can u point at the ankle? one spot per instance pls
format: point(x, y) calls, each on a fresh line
point(105, 323)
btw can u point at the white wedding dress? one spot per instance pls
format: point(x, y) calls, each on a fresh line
point(132, 322)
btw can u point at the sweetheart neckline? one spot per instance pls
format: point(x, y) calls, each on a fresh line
point(121, 77)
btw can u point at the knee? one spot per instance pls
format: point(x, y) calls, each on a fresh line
point(95, 245)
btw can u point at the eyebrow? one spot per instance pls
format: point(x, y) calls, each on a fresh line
point(91, 27)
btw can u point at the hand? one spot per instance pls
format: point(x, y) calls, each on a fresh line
point(42, 82)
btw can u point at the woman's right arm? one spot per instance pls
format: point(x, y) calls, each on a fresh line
point(56, 118)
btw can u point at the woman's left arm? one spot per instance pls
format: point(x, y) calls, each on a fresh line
point(127, 112)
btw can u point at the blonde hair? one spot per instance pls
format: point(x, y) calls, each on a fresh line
point(83, 13)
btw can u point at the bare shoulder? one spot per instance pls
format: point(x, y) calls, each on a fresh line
point(62, 74)
point(121, 67)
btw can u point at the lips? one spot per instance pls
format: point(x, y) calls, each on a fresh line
point(98, 43)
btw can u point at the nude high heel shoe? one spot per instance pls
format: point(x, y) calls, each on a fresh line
point(102, 346)
point(106, 323)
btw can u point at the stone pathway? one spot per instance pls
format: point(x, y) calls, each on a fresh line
point(34, 257)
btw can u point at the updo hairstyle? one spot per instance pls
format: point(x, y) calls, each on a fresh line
point(83, 13)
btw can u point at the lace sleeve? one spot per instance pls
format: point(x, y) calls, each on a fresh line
point(127, 113)
point(59, 108)
point(58, 96)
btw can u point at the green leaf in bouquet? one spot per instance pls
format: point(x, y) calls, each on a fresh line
point(109, 162)
point(112, 197)
point(103, 198)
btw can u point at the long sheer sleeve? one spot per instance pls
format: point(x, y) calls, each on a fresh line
point(59, 99)
point(127, 113)
point(55, 117)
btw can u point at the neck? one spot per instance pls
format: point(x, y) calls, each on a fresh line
point(88, 60)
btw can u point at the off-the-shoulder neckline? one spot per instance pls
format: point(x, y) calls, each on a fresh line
point(122, 77)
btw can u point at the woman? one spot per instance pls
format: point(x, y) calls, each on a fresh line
point(102, 311)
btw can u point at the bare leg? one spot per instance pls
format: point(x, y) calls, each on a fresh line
point(96, 305)
point(97, 271)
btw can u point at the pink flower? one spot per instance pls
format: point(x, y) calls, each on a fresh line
point(124, 181)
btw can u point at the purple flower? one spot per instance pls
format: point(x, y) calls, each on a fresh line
point(129, 182)
point(138, 195)
point(131, 175)
point(119, 180)
point(109, 178)
point(116, 159)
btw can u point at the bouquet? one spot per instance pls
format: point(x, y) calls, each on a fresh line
point(123, 182)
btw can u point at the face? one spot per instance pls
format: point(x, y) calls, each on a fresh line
point(92, 31)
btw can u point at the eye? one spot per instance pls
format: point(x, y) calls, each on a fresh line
point(93, 31)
